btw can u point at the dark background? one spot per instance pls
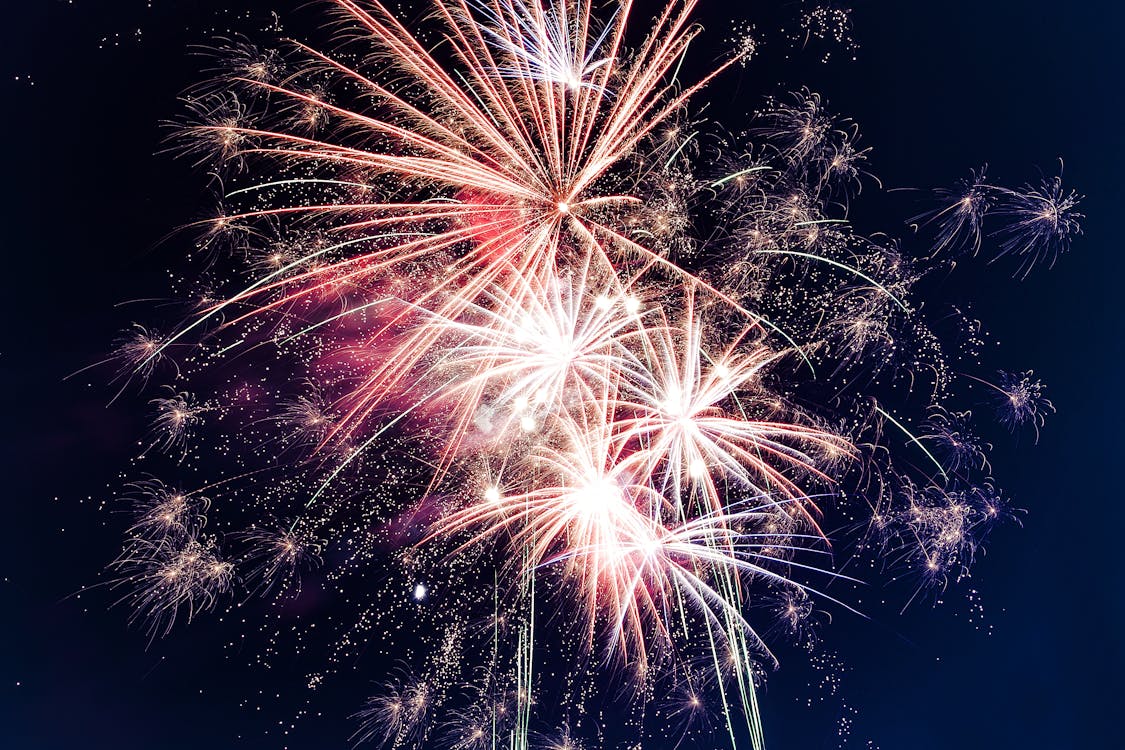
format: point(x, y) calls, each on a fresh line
point(938, 87)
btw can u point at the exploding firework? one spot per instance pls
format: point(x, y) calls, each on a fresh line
point(504, 317)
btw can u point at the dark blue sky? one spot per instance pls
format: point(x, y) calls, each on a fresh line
point(938, 88)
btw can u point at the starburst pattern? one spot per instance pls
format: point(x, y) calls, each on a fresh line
point(508, 320)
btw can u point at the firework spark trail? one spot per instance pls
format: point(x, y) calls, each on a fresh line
point(491, 257)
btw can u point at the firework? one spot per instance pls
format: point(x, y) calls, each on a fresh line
point(1021, 400)
point(1040, 221)
point(176, 415)
point(960, 218)
point(398, 714)
point(495, 325)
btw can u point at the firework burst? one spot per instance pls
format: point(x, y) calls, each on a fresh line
point(545, 352)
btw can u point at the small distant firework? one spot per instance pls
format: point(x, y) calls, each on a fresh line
point(176, 415)
point(398, 715)
point(959, 220)
point(139, 351)
point(828, 26)
point(1021, 400)
point(954, 440)
point(276, 559)
point(499, 333)
point(1040, 221)
point(169, 567)
point(160, 512)
point(745, 43)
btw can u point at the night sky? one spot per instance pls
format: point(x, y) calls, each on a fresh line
point(938, 88)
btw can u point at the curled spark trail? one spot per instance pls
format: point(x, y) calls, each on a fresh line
point(499, 335)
